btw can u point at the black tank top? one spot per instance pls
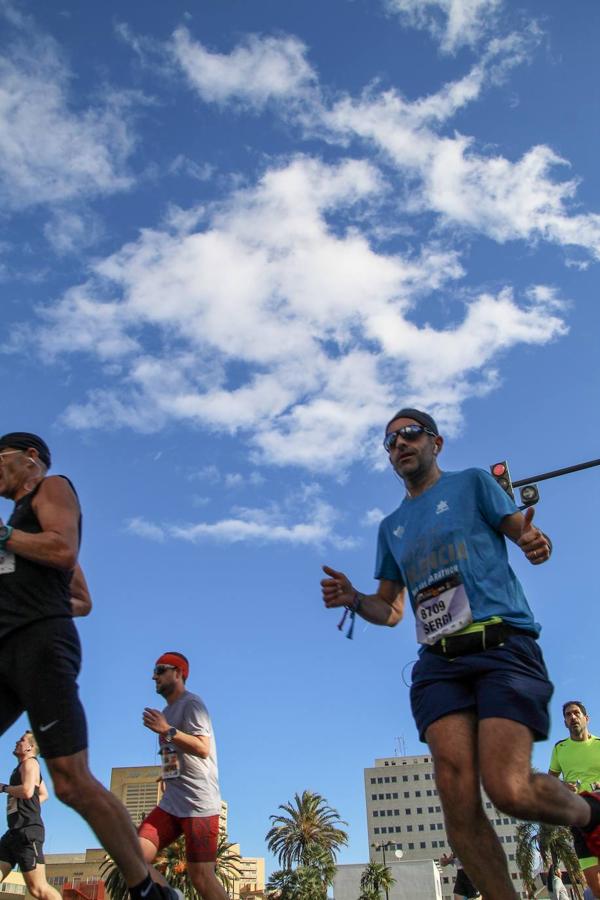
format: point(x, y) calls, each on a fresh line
point(20, 812)
point(33, 591)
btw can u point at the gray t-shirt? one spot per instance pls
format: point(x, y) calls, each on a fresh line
point(195, 792)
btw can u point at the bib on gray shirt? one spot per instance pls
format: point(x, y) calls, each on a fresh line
point(195, 792)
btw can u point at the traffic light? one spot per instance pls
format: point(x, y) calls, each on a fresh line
point(500, 472)
point(529, 495)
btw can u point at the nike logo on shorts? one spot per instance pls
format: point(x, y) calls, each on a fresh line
point(49, 725)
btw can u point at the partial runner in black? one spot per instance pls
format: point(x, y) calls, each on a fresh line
point(22, 845)
point(463, 886)
point(42, 588)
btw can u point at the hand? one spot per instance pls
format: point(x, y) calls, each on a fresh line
point(533, 542)
point(446, 859)
point(337, 590)
point(571, 785)
point(155, 721)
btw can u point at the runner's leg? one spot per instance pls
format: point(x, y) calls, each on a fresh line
point(514, 788)
point(204, 879)
point(38, 886)
point(453, 744)
point(107, 817)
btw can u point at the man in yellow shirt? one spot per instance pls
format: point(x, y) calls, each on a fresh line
point(577, 759)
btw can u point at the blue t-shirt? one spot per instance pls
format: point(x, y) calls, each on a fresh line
point(452, 528)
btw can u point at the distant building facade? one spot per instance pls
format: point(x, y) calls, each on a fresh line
point(404, 814)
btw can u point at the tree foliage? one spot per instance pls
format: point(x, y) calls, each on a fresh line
point(172, 865)
point(307, 835)
point(375, 878)
point(554, 844)
point(306, 824)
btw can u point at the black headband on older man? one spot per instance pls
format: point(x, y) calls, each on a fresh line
point(23, 440)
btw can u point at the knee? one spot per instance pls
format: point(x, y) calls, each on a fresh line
point(508, 796)
point(73, 788)
point(203, 878)
point(457, 787)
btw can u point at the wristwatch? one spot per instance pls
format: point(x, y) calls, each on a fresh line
point(5, 533)
point(170, 733)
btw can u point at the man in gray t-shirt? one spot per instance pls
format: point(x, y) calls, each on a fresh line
point(191, 803)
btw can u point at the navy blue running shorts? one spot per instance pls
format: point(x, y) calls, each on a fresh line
point(508, 682)
point(39, 665)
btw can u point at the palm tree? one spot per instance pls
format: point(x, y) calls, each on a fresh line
point(306, 825)
point(375, 879)
point(112, 877)
point(227, 867)
point(554, 844)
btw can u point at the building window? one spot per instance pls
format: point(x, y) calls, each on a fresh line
point(406, 795)
point(409, 828)
point(419, 810)
point(411, 846)
point(405, 778)
point(407, 812)
point(375, 813)
point(373, 781)
point(395, 795)
point(416, 777)
point(376, 831)
point(421, 828)
point(388, 796)
point(422, 845)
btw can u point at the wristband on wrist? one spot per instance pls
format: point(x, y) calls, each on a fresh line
point(5, 533)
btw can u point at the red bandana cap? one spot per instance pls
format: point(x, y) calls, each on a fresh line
point(174, 659)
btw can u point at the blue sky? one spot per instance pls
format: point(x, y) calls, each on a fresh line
point(235, 238)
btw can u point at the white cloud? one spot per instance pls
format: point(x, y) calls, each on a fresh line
point(49, 151)
point(274, 525)
point(455, 23)
point(182, 165)
point(323, 323)
point(256, 71)
point(69, 230)
point(373, 516)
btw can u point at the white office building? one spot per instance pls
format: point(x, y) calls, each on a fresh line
point(404, 813)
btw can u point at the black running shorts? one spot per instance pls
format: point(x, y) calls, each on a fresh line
point(23, 847)
point(39, 665)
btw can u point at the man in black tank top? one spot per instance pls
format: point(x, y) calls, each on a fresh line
point(42, 588)
point(22, 844)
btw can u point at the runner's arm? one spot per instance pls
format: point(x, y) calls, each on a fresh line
point(81, 602)
point(43, 792)
point(198, 744)
point(30, 773)
point(536, 546)
point(385, 607)
point(57, 510)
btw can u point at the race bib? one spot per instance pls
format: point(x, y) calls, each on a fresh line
point(169, 762)
point(11, 805)
point(7, 562)
point(441, 609)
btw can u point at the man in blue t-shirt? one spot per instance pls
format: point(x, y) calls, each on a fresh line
point(480, 688)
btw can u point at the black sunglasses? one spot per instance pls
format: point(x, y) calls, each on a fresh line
point(160, 670)
point(408, 432)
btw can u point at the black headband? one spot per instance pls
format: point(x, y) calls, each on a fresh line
point(23, 440)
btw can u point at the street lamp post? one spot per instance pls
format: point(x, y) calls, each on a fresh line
point(382, 848)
